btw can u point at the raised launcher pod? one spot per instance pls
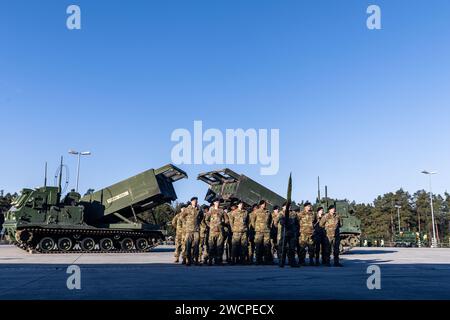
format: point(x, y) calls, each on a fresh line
point(119, 205)
point(105, 221)
point(231, 186)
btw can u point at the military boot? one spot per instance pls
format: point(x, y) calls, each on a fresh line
point(177, 260)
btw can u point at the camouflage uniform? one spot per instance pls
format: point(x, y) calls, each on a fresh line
point(274, 233)
point(305, 241)
point(261, 222)
point(227, 237)
point(290, 240)
point(319, 242)
point(251, 237)
point(192, 218)
point(203, 241)
point(215, 220)
point(331, 223)
point(239, 228)
point(177, 223)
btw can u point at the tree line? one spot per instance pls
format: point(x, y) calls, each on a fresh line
point(379, 220)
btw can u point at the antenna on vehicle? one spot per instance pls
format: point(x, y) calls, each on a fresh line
point(45, 174)
point(326, 195)
point(60, 176)
point(318, 189)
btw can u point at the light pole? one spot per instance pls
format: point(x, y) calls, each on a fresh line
point(79, 154)
point(398, 214)
point(392, 227)
point(433, 241)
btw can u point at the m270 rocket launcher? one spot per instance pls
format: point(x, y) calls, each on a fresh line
point(231, 186)
point(105, 221)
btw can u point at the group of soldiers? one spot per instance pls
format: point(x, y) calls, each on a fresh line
point(205, 234)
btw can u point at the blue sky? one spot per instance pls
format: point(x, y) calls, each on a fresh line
point(366, 110)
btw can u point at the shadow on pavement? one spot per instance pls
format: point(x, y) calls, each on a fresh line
point(356, 251)
point(166, 281)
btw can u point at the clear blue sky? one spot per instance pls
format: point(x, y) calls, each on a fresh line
point(365, 110)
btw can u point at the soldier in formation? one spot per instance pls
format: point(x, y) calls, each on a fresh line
point(177, 223)
point(192, 218)
point(319, 238)
point(274, 231)
point(261, 222)
point(251, 235)
point(227, 235)
point(287, 237)
point(305, 242)
point(216, 220)
point(239, 228)
point(204, 234)
point(331, 224)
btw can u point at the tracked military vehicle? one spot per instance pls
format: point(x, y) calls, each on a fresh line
point(350, 230)
point(105, 221)
point(230, 186)
point(407, 238)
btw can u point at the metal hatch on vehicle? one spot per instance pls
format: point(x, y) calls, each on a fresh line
point(219, 177)
point(171, 172)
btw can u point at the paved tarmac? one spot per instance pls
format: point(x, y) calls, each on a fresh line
point(406, 273)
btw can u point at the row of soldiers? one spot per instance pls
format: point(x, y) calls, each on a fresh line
point(204, 233)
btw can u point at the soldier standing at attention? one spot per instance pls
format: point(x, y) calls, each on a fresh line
point(306, 228)
point(239, 228)
point(319, 238)
point(203, 242)
point(177, 223)
point(287, 245)
point(331, 223)
point(227, 235)
point(262, 221)
point(274, 230)
point(215, 221)
point(192, 217)
point(251, 234)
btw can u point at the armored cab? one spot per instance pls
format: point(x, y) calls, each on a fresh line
point(231, 186)
point(105, 221)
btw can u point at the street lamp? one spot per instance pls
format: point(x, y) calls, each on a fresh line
point(79, 154)
point(433, 241)
point(398, 214)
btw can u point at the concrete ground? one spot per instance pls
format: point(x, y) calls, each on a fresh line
point(406, 273)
